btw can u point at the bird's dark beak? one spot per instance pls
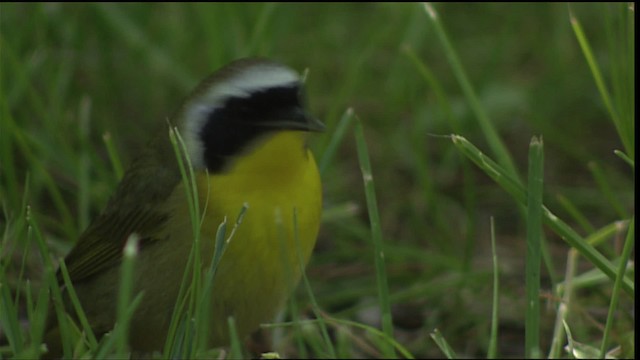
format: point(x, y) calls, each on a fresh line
point(314, 124)
point(296, 119)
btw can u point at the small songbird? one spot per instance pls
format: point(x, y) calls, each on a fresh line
point(245, 132)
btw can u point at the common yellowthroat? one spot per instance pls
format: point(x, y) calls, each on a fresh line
point(245, 130)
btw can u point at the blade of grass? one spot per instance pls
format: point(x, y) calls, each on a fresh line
point(534, 235)
point(336, 138)
point(599, 236)
point(496, 144)
point(86, 326)
point(599, 79)
point(83, 165)
point(52, 283)
point(575, 213)
point(615, 296)
point(8, 176)
point(342, 322)
point(196, 215)
point(327, 343)
point(377, 332)
point(9, 320)
point(569, 235)
point(110, 339)
point(220, 247)
point(620, 30)
point(130, 253)
point(435, 85)
point(492, 352)
point(38, 318)
point(468, 176)
point(391, 341)
point(9, 317)
point(603, 183)
point(29, 305)
point(298, 338)
point(116, 163)
point(442, 343)
point(493, 139)
point(19, 226)
point(203, 324)
point(236, 345)
point(579, 350)
point(566, 291)
point(376, 234)
point(187, 294)
point(344, 345)
point(626, 158)
point(590, 278)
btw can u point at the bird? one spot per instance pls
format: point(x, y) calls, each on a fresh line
point(245, 131)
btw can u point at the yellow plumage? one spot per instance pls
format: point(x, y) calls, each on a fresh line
point(260, 265)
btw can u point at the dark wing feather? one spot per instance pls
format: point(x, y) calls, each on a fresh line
point(136, 207)
point(100, 246)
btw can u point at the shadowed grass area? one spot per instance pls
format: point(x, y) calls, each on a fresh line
point(409, 252)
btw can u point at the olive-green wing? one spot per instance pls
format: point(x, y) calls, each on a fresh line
point(100, 246)
point(136, 207)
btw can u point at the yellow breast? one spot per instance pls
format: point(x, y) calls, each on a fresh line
point(262, 264)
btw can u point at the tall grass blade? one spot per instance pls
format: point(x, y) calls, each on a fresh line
point(392, 342)
point(188, 295)
point(77, 306)
point(114, 158)
point(626, 158)
point(336, 140)
point(493, 139)
point(9, 317)
point(376, 234)
point(625, 133)
point(236, 345)
point(327, 343)
point(492, 352)
point(534, 236)
point(207, 293)
point(566, 292)
point(603, 182)
point(127, 270)
point(615, 296)
point(442, 343)
point(51, 281)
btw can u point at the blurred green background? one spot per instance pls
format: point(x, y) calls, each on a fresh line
point(72, 73)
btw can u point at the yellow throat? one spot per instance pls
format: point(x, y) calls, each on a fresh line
point(276, 180)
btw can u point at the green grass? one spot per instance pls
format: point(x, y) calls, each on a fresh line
point(446, 97)
point(534, 247)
